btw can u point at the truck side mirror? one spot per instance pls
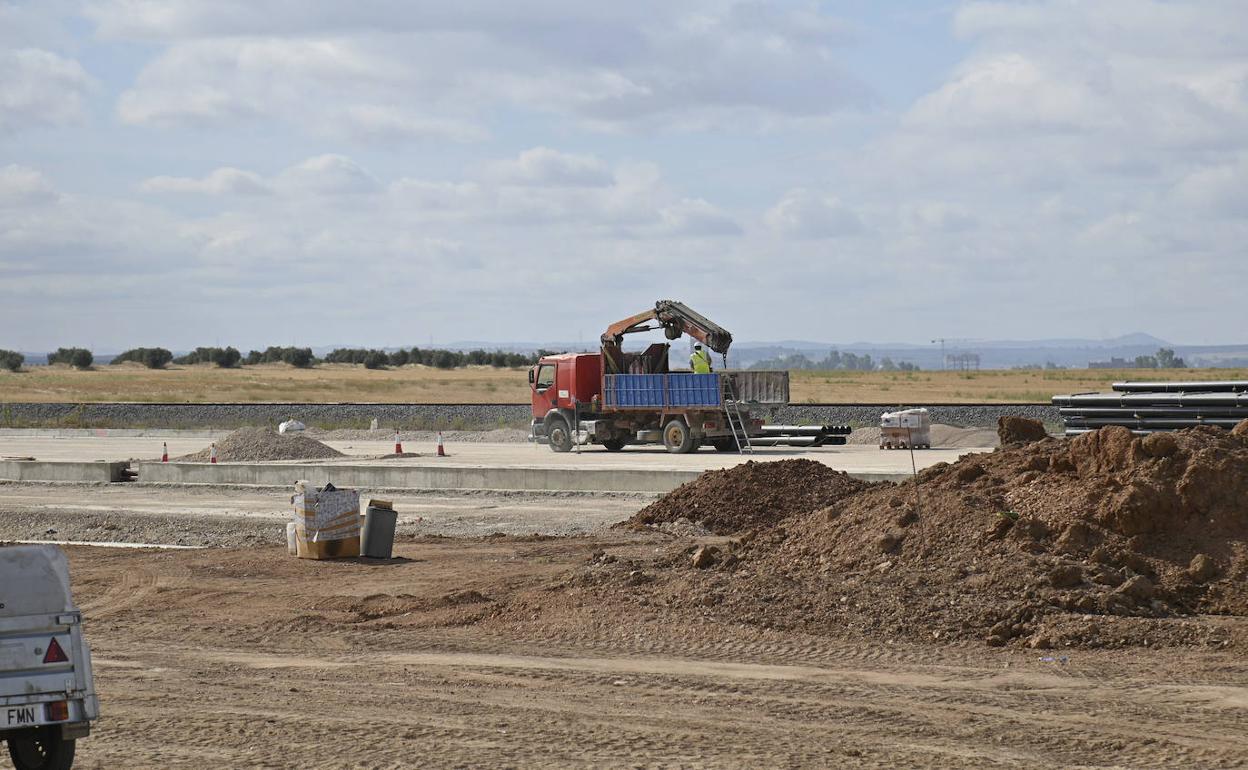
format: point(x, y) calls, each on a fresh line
point(532, 376)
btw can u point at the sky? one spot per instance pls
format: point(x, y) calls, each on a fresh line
point(209, 172)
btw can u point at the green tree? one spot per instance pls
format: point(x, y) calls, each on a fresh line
point(81, 359)
point(11, 360)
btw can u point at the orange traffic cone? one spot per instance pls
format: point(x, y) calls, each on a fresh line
point(164, 451)
point(441, 450)
point(398, 445)
point(212, 455)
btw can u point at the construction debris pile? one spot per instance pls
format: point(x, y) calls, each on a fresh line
point(750, 495)
point(1107, 539)
point(1145, 407)
point(261, 445)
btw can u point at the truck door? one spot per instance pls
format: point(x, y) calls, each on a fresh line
point(544, 393)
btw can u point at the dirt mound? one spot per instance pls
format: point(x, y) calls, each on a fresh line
point(1103, 540)
point(263, 444)
point(1019, 430)
point(750, 495)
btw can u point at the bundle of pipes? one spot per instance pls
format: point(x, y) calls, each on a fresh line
point(1145, 407)
point(802, 435)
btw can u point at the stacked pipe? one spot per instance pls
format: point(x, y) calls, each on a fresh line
point(806, 436)
point(1145, 407)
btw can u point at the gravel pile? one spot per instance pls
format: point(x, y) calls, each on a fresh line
point(261, 445)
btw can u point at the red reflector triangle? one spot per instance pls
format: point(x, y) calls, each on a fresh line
point(54, 654)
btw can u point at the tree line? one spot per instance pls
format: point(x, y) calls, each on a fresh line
point(302, 358)
point(837, 360)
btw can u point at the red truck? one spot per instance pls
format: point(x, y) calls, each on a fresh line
point(615, 398)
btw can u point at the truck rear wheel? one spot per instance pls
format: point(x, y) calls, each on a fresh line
point(614, 444)
point(41, 748)
point(677, 437)
point(560, 435)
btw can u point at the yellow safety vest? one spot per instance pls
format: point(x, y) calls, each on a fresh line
point(701, 362)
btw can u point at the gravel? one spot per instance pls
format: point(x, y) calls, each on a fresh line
point(446, 417)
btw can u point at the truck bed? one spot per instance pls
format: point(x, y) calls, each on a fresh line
point(685, 390)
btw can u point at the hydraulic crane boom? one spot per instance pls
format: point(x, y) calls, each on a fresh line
point(674, 319)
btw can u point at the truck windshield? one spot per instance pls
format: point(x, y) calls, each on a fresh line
point(545, 376)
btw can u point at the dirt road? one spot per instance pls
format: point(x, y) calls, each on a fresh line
point(460, 654)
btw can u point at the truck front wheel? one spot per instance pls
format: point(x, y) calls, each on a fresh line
point(677, 437)
point(559, 434)
point(41, 748)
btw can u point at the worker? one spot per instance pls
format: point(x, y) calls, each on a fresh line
point(700, 360)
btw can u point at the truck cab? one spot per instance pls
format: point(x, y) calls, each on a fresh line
point(47, 689)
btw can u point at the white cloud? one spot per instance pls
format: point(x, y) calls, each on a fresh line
point(222, 181)
point(339, 68)
point(1011, 92)
point(21, 186)
point(1221, 190)
point(544, 167)
point(388, 125)
point(808, 214)
point(328, 175)
point(39, 87)
point(940, 216)
point(696, 218)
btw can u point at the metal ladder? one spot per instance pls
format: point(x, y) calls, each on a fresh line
point(732, 410)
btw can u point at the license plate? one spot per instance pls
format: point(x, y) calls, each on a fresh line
point(21, 716)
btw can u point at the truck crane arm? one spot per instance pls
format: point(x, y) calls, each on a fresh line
point(675, 319)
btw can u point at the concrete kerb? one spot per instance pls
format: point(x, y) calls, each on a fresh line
point(37, 470)
point(446, 477)
point(452, 478)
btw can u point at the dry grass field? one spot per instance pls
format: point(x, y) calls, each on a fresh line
point(486, 385)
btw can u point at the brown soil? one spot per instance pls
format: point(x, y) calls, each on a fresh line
point(263, 444)
point(1019, 430)
point(250, 658)
point(1102, 540)
point(750, 495)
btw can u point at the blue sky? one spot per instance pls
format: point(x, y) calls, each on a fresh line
point(191, 172)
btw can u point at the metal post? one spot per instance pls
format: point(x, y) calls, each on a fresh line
point(914, 470)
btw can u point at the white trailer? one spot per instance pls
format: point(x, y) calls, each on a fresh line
point(47, 691)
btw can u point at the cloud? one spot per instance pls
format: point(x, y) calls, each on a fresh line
point(389, 125)
point(807, 214)
point(222, 181)
point(339, 68)
point(695, 218)
point(39, 88)
point(1220, 191)
point(21, 186)
point(328, 175)
point(544, 167)
point(1012, 92)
